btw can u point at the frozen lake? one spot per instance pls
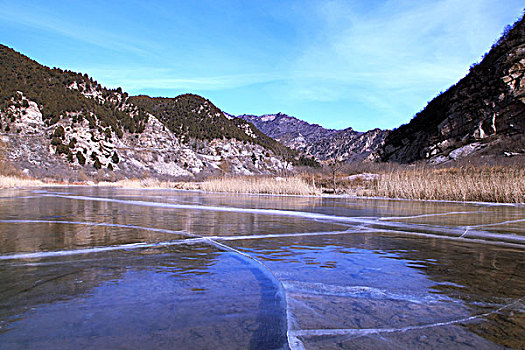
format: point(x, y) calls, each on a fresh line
point(102, 268)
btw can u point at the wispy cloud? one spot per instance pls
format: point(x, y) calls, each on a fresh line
point(409, 48)
point(42, 19)
point(143, 78)
point(336, 62)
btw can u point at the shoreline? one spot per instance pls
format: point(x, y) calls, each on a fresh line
point(195, 187)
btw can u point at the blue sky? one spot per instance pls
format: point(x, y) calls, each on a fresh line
point(362, 63)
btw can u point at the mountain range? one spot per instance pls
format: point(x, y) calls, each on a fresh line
point(318, 142)
point(56, 123)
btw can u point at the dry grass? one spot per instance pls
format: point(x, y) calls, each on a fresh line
point(20, 181)
point(150, 183)
point(483, 184)
point(16, 181)
point(501, 184)
point(480, 184)
point(260, 185)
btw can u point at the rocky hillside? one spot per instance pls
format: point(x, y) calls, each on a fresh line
point(349, 145)
point(314, 140)
point(191, 117)
point(482, 115)
point(64, 124)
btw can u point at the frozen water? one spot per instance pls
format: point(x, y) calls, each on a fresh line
point(106, 268)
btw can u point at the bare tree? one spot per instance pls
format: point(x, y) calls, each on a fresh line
point(287, 157)
point(335, 164)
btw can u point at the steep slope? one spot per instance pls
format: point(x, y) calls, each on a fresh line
point(59, 94)
point(193, 117)
point(313, 139)
point(349, 145)
point(61, 123)
point(483, 114)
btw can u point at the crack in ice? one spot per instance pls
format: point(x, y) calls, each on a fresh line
point(365, 225)
point(371, 223)
point(367, 292)
point(500, 223)
point(425, 215)
point(269, 273)
point(367, 331)
point(130, 246)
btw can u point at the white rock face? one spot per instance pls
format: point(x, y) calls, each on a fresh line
point(464, 151)
point(27, 114)
point(267, 118)
point(90, 92)
point(248, 131)
point(32, 116)
point(364, 177)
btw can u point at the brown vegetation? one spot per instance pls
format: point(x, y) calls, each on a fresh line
point(485, 184)
point(16, 181)
point(481, 184)
point(150, 183)
point(261, 185)
point(503, 184)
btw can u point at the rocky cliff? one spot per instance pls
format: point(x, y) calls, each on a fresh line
point(314, 140)
point(482, 115)
point(64, 124)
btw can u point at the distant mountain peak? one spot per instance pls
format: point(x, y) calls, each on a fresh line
point(315, 140)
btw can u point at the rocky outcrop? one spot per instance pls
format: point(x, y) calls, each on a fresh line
point(349, 145)
point(314, 140)
point(56, 123)
point(483, 114)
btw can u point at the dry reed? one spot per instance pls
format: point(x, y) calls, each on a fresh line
point(479, 184)
point(150, 183)
point(16, 181)
point(260, 185)
point(483, 184)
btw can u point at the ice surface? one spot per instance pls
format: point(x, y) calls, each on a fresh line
point(380, 223)
point(103, 267)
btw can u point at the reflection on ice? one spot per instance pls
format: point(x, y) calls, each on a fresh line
point(167, 297)
point(105, 268)
point(393, 223)
point(392, 286)
point(103, 224)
